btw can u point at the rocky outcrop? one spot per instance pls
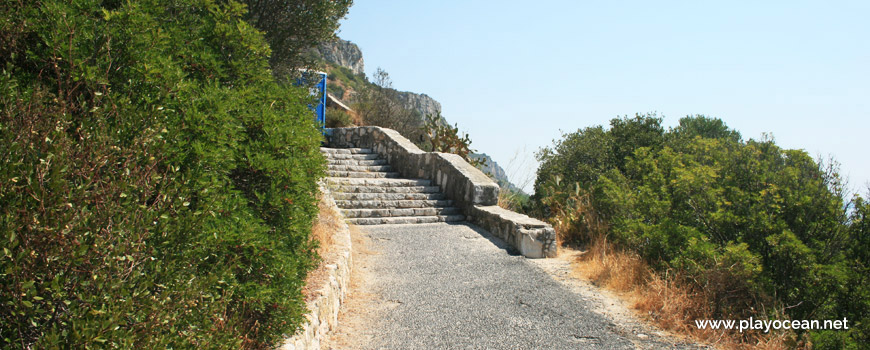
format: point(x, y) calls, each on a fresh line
point(420, 103)
point(343, 53)
point(346, 54)
point(492, 168)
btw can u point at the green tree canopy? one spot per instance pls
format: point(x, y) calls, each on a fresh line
point(292, 27)
point(157, 185)
point(751, 225)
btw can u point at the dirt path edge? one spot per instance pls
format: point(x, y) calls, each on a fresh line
point(323, 309)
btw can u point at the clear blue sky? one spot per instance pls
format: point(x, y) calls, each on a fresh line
point(513, 74)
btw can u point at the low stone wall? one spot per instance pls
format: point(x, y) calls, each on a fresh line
point(472, 191)
point(532, 237)
point(322, 316)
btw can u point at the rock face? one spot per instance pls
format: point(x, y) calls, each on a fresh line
point(421, 103)
point(343, 53)
point(491, 167)
point(346, 54)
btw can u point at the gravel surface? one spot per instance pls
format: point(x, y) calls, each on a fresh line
point(454, 286)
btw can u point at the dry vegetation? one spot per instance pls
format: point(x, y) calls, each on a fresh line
point(322, 232)
point(666, 301)
point(362, 302)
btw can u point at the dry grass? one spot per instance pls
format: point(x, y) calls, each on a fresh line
point(328, 222)
point(362, 303)
point(322, 232)
point(664, 300)
point(508, 200)
point(355, 118)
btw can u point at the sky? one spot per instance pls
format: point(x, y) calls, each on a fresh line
point(516, 75)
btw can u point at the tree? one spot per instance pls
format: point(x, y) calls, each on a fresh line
point(378, 104)
point(292, 27)
point(706, 127)
point(629, 134)
point(156, 183)
point(745, 223)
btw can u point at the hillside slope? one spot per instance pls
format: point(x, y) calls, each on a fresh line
point(344, 64)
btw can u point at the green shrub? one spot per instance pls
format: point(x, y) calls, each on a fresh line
point(337, 118)
point(753, 226)
point(156, 185)
point(441, 137)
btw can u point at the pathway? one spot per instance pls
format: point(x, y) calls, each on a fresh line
point(454, 286)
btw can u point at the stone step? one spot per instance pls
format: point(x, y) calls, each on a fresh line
point(370, 192)
point(406, 220)
point(391, 189)
point(357, 162)
point(342, 156)
point(363, 174)
point(387, 196)
point(377, 204)
point(398, 212)
point(345, 150)
point(364, 168)
point(344, 181)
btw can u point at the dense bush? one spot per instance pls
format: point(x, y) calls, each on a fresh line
point(343, 83)
point(751, 225)
point(337, 118)
point(378, 104)
point(156, 185)
point(292, 27)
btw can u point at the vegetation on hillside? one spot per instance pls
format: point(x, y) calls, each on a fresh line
point(293, 27)
point(441, 137)
point(756, 230)
point(157, 185)
point(377, 103)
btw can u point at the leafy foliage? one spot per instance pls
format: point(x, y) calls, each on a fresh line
point(752, 226)
point(292, 27)
point(378, 104)
point(446, 138)
point(343, 83)
point(156, 184)
point(337, 118)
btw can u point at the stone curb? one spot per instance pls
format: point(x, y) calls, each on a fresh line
point(323, 309)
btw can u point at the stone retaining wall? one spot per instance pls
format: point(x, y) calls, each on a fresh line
point(472, 191)
point(322, 316)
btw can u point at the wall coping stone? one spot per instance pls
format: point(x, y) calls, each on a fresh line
point(524, 220)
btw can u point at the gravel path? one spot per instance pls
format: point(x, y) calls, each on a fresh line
point(454, 286)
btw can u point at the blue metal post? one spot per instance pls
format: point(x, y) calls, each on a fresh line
point(318, 90)
point(321, 107)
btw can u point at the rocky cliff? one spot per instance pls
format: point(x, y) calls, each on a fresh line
point(343, 53)
point(346, 54)
point(422, 103)
point(493, 169)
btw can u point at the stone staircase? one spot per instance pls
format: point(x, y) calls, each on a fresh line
point(369, 192)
